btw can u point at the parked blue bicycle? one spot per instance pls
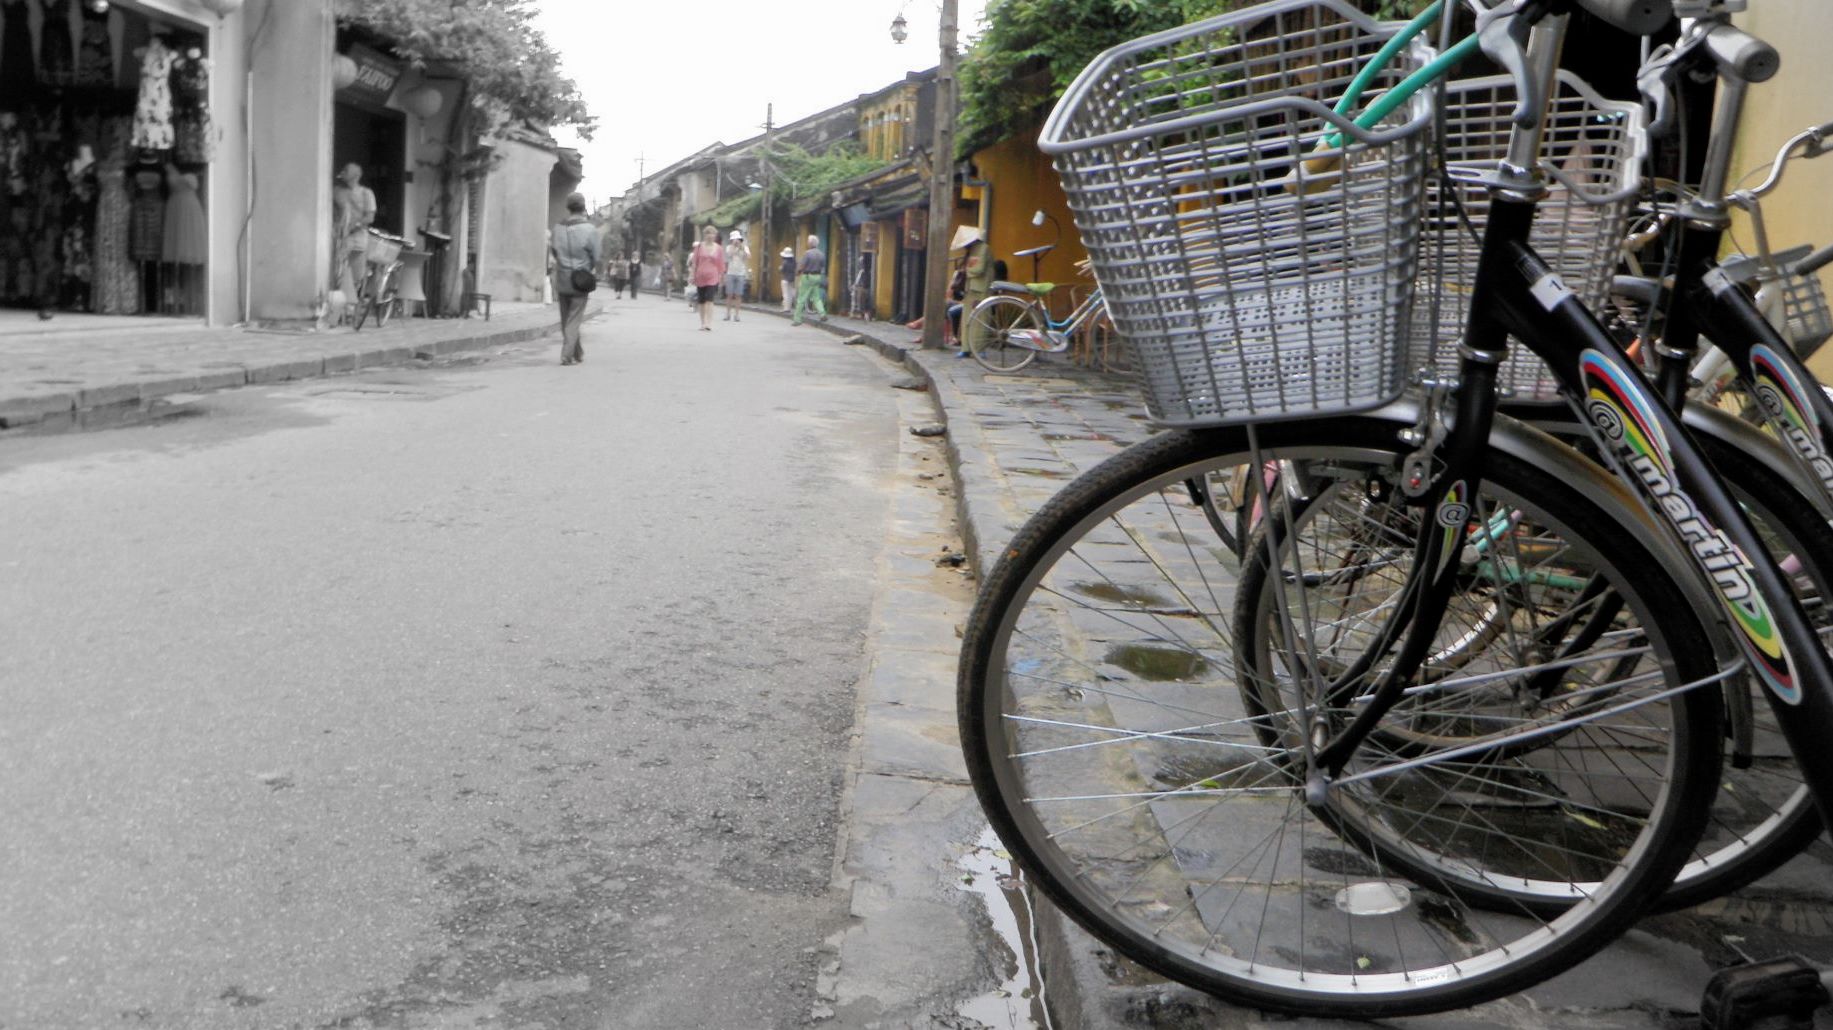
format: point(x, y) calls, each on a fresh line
point(1010, 328)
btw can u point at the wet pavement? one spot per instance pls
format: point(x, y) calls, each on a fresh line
point(1013, 442)
point(914, 836)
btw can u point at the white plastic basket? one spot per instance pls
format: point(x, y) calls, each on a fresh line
point(1806, 322)
point(1592, 154)
point(1242, 299)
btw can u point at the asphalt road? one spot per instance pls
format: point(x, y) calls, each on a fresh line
point(495, 693)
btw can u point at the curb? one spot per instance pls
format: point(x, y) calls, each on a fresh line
point(70, 405)
point(967, 458)
point(1074, 965)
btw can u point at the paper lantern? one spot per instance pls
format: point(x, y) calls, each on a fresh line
point(343, 71)
point(223, 8)
point(424, 101)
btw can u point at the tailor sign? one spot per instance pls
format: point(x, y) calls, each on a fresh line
point(376, 75)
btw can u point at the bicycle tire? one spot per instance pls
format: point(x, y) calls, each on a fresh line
point(1763, 815)
point(989, 336)
point(1041, 713)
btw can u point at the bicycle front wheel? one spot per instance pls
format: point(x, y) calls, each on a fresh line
point(1164, 808)
point(990, 328)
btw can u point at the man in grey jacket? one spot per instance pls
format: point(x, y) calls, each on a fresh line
point(575, 247)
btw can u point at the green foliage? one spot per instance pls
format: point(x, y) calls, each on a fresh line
point(495, 42)
point(797, 174)
point(1029, 51)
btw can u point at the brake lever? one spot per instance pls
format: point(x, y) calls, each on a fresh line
point(1502, 35)
point(1655, 80)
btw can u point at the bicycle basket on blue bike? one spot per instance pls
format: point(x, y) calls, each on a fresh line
point(1257, 250)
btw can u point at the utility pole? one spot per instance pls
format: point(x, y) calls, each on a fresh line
point(639, 205)
point(941, 188)
point(764, 256)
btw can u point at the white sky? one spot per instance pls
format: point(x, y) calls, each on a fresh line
point(667, 77)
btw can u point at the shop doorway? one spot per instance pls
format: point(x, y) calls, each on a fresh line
point(100, 212)
point(376, 141)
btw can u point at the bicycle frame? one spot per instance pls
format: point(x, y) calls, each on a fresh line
point(1516, 292)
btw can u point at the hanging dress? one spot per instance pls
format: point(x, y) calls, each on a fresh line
point(146, 240)
point(18, 68)
point(191, 107)
point(187, 241)
point(56, 50)
point(117, 281)
point(95, 54)
point(153, 113)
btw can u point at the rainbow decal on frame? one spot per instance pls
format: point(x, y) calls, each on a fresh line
point(1784, 400)
point(1618, 406)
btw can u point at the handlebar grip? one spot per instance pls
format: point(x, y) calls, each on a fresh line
point(1636, 17)
point(1813, 262)
point(1741, 55)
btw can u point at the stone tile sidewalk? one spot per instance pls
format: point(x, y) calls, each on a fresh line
point(59, 376)
point(1014, 441)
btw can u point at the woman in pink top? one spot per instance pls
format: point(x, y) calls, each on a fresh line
point(707, 266)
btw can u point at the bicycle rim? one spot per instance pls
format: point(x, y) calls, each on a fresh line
point(1118, 760)
point(1763, 814)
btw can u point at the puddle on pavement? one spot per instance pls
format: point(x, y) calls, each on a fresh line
point(1018, 1002)
point(1156, 663)
point(1117, 594)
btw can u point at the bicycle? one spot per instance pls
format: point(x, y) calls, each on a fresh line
point(1013, 325)
point(376, 296)
point(1325, 789)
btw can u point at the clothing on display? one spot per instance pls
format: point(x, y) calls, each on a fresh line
point(147, 239)
point(117, 281)
point(56, 47)
point(153, 113)
point(18, 66)
point(186, 240)
point(191, 107)
point(102, 177)
point(95, 55)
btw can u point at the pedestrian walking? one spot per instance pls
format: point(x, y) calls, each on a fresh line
point(707, 265)
point(811, 278)
point(666, 277)
point(738, 273)
point(614, 272)
point(575, 254)
point(786, 276)
point(635, 275)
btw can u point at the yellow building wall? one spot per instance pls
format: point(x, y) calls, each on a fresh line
point(1799, 97)
point(1022, 182)
point(884, 267)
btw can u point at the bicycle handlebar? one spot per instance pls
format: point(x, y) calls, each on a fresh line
point(1740, 55)
point(1636, 17)
point(1813, 262)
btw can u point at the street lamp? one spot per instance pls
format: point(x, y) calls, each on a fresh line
point(900, 29)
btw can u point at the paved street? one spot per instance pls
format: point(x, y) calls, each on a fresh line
point(892, 937)
point(483, 691)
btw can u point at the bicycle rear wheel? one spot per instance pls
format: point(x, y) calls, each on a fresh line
point(1763, 814)
point(1117, 759)
point(989, 333)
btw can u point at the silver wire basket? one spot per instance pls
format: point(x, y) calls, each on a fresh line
point(1240, 298)
point(1592, 154)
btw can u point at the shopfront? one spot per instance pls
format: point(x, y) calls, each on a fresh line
point(108, 143)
